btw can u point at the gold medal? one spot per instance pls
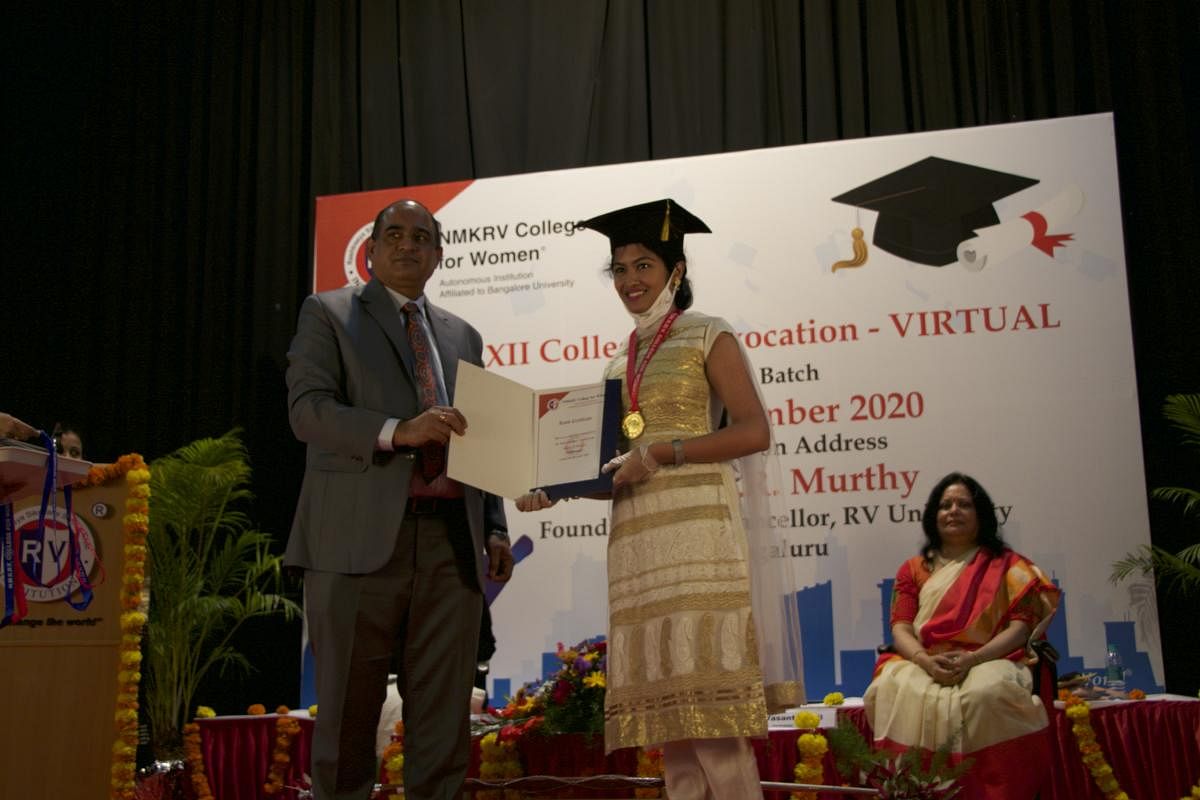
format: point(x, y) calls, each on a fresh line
point(633, 424)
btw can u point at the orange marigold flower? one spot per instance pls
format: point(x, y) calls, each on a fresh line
point(256, 709)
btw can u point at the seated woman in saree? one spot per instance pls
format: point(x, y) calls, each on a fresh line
point(963, 613)
point(684, 665)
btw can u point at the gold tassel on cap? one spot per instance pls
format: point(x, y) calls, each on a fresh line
point(860, 252)
point(666, 228)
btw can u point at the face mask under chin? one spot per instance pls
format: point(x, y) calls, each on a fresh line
point(649, 319)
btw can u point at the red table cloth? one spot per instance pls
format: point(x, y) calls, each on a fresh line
point(1152, 745)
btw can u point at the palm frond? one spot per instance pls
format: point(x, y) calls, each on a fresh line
point(1183, 410)
point(1178, 494)
point(1140, 561)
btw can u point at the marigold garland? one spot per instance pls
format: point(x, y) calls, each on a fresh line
point(393, 759)
point(1092, 755)
point(812, 747)
point(286, 729)
point(194, 757)
point(498, 761)
point(649, 765)
point(135, 526)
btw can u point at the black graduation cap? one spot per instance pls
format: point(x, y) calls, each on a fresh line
point(926, 209)
point(657, 221)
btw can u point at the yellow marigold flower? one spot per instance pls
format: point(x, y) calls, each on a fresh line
point(834, 699)
point(808, 773)
point(812, 745)
point(1076, 712)
point(312, 710)
point(807, 719)
point(204, 712)
point(132, 619)
point(594, 679)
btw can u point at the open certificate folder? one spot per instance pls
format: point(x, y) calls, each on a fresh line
point(519, 438)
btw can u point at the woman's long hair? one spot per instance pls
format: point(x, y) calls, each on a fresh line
point(985, 512)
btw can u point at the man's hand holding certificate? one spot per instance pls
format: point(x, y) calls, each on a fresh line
point(520, 438)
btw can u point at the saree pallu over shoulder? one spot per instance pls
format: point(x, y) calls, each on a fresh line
point(990, 592)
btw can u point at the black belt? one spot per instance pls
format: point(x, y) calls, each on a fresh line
point(425, 506)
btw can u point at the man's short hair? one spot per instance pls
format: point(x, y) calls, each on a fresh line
point(437, 226)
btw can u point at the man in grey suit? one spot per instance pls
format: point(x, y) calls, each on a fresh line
point(393, 550)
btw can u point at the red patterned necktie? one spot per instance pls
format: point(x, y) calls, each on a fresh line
point(433, 455)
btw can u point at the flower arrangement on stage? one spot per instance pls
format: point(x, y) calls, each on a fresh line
point(393, 758)
point(812, 746)
point(569, 701)
point(135, 524)
point(1079, 712)
point(286, 729)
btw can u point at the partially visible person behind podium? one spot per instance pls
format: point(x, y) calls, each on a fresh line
point(67, 441)
point(963, 612)
point(393, 550)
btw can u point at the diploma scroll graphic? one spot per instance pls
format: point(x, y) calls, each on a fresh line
point(997, 243)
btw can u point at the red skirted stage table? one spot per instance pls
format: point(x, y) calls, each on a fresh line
point(238, 752)
point(1153, 746)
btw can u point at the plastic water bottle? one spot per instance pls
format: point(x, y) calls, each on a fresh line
point(1114, 669)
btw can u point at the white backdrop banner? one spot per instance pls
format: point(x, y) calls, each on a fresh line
point(977, 320)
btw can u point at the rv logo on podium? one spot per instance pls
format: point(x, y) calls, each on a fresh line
point(45, 557)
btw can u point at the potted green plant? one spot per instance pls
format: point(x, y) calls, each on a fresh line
point(912, 775)
point(1180, 571)
point(209, 572)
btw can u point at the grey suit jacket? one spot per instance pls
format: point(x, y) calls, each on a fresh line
point(349, 370)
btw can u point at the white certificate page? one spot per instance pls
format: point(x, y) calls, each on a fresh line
point(519, 438)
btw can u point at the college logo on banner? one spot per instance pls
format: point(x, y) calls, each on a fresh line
point(45, 556)
point(354, 261)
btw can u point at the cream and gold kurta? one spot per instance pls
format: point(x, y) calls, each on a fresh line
point(683, 658)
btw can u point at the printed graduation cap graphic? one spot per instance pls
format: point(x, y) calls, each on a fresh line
point(927, 208)
point(656, 221)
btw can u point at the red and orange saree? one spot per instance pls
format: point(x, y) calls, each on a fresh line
point(961, 604)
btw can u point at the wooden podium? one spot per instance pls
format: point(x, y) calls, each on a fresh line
point(62, 735)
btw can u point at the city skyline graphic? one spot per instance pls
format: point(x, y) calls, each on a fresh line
point(823, 663)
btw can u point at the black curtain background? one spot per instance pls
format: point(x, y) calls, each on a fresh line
point(161, 160)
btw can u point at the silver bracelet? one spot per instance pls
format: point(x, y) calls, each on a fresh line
point(677, 446)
